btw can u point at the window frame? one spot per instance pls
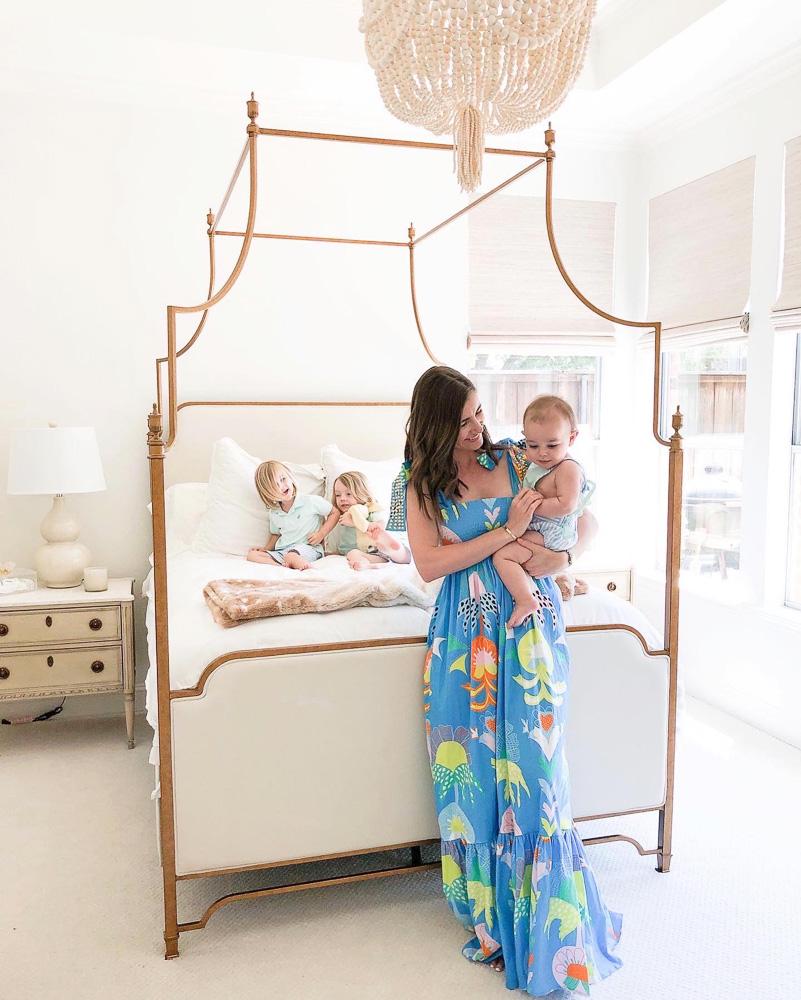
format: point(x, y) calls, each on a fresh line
point(692, 442)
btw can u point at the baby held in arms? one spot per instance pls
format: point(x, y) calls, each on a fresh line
point(298, 521)
point(363, 537)
point(561, 489)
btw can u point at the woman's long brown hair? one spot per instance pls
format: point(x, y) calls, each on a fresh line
point(432, 432)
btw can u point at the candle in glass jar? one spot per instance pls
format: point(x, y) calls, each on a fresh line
point(95, 578)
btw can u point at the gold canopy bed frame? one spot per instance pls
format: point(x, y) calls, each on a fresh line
point(160, 445)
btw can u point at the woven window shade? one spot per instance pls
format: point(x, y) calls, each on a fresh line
point(699, 256)
point(517, 296)
point(790, 296)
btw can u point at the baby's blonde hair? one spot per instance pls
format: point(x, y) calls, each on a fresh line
point(356, 483)
point(267, 483)
point(545, 405)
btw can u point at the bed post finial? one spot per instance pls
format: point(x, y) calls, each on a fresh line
point(253, 109)
point(678, 422)
point(210, 220)
point(411, 233)
point(155, 427)
point(550, 138)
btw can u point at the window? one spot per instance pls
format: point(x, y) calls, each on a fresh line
point(708, 383)
point(507, 382)
point(793, 593)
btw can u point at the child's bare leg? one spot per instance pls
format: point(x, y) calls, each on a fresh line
point(260, 556)
point(294, 560)
point(364, 560)
point(509, 561)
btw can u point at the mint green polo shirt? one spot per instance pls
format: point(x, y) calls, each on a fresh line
point(303, 518)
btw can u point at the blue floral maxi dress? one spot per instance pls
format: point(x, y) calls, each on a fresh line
point(514, 869)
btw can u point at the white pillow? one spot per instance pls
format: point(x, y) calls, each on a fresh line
point(184, 507)
point(236, 518)
point(380, 475)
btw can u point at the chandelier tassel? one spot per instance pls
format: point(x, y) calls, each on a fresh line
point(471, 67)
point(468, 146)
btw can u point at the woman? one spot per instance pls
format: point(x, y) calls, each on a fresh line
point(514, 869)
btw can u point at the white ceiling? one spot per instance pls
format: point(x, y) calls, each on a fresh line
point(650, 62)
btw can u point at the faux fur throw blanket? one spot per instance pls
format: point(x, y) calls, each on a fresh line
point(233, 602)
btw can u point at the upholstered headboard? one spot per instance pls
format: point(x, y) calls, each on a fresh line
point(292, 432)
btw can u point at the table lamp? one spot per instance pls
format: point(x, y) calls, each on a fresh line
point(57, 460)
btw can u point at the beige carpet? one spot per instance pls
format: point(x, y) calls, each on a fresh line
point(80, 897)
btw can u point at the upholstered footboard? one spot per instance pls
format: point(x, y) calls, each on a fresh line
point(303, 755)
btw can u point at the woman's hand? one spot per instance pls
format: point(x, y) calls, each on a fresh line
point(521, 510)
point(545, 562)
point(346, 520)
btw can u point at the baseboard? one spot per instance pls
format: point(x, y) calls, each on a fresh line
point(80, 706)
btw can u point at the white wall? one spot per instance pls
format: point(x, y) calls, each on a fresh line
point(742, 655)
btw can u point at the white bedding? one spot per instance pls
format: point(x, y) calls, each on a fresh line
point(195, 639)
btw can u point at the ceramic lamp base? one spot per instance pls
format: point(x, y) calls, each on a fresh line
point(60, 563)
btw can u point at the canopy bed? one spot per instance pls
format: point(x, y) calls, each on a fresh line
point(237, 790)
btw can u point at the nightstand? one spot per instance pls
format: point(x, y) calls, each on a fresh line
point(65, 642)
point(616, 581)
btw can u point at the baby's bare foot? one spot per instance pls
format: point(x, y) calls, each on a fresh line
point(523, 610)
point(382, 539)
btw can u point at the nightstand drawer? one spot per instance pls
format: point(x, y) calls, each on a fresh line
point(60, 668)
point(617, 582)
point(18, 628)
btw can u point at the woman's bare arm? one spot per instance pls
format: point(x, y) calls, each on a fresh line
point(434, 560)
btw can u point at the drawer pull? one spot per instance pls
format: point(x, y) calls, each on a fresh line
point(95, 624)
point(611, 586)
point(49, 621)
point(3, 629)
point(5, 673)
point(50, 661)
point(98, 667)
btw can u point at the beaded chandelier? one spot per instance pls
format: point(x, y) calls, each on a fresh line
point(475, 66)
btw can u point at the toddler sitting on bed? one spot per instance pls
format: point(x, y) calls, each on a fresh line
point(559, 483)
point(298, 521)
point(374, 546)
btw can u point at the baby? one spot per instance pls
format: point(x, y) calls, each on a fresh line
point(298, 522)
point(372, 546)
point(560, 486)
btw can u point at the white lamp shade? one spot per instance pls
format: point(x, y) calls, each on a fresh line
point(52, 460)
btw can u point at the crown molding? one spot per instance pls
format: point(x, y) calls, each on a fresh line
point(761, 77)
